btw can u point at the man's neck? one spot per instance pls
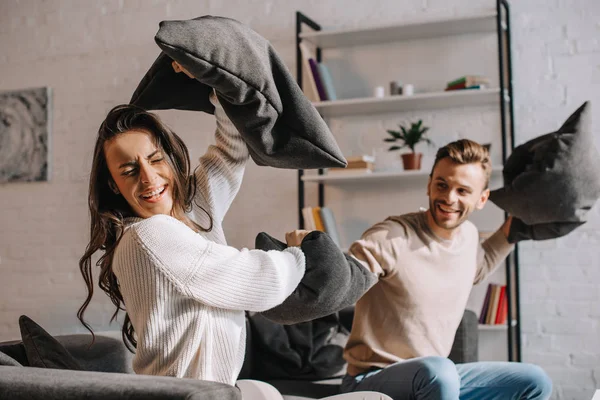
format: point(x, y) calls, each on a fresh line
point(442, 233)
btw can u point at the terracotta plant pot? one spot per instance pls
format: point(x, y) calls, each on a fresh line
point(412, 161)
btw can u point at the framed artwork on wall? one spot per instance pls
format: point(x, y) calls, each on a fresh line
point(25, 124)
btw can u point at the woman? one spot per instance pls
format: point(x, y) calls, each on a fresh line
point(165, 261)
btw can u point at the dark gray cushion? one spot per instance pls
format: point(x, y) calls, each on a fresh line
point(53, 384)
point(280, 126)
point(332, 281)
point(42, 349)
point(552, 181)
point(9, 361)
point(16, 351)
point(304, 351)
point(465, 346)
point(107, 354)
point(519, 230)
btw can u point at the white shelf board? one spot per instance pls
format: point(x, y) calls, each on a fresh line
point(341, 178)
point(499, 327)
point(400, 103)
point(481, 23)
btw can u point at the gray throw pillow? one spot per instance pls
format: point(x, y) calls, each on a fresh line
point(44, 351)
point(332, 280)
point(280, 126)
point(552, 181)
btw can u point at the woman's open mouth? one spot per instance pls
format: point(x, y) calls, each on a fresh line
point(155, 195)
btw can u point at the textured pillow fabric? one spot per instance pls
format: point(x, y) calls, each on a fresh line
point(43, 351)
point(16, 351)
point(310, 350)
point(521, 231)
point(162, 89)
point(331, 282)
point(9, 361)
point(280, 126)
point(552, 181)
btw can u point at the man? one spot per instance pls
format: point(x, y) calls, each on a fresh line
point(427, 263)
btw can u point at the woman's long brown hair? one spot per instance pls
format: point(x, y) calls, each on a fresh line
point(108, 210)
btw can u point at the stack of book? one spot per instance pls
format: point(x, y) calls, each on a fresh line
point(495, 307)
point(317, 83)
point(356, 165)
point(468, 82)
point(321, 219)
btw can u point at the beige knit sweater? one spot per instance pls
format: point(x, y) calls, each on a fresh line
point(424, 283)
point(186, 292)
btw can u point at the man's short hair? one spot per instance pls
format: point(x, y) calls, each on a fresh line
point(466, 151)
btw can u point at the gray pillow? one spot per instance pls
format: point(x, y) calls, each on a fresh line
point(552, 181)
point(332, 280)
point(280, 126)
point(44, 351)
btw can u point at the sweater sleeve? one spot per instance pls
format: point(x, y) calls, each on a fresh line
point(217, 275)
point(491, 253)
point(219, 175)
point(374, 250)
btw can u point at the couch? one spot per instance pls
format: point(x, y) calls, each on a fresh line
point(108, 373)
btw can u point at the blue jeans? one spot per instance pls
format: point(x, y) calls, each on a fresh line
point(439, 378)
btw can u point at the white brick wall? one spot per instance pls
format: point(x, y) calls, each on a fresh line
point(93, 53)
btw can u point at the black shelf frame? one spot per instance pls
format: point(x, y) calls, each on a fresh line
point(507, 125)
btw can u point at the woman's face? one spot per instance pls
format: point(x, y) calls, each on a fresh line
point(140, 172)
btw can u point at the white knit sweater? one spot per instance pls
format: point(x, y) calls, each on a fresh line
point(186, 292)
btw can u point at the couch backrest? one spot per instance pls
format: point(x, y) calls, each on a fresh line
point(107, 354)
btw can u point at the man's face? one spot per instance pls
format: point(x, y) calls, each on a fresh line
point(455, 191)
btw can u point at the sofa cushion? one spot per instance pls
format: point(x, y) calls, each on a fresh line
point(9, 361)
point(332, 280)
point(552, 181)
point(280, 126)
point(108, 353)
point(42, 349)
point(54, 384)
point(304, 351)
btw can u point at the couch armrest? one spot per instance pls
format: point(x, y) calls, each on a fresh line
point(465, 346)
point(28, 383)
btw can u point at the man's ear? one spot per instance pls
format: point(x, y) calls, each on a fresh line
point(428, 186)
point(113, 186)
point(485, 195)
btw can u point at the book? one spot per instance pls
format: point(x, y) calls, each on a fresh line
point(330, 225)
point(493, 309)
point(327, 82)
point(502, 313)
point(486, 302)
point(309, 222)
point(309, 87)
point(317, 78)
point(469, 80)
point(349, 171)
point(364, 157)
point(316, 211)
point(360, 164)
point(465, 88)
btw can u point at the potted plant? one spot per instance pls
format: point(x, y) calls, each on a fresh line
point(410, 137)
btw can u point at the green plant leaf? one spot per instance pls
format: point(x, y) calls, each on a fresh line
point(395, 134)
point(389, 139)
point(395, 148)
